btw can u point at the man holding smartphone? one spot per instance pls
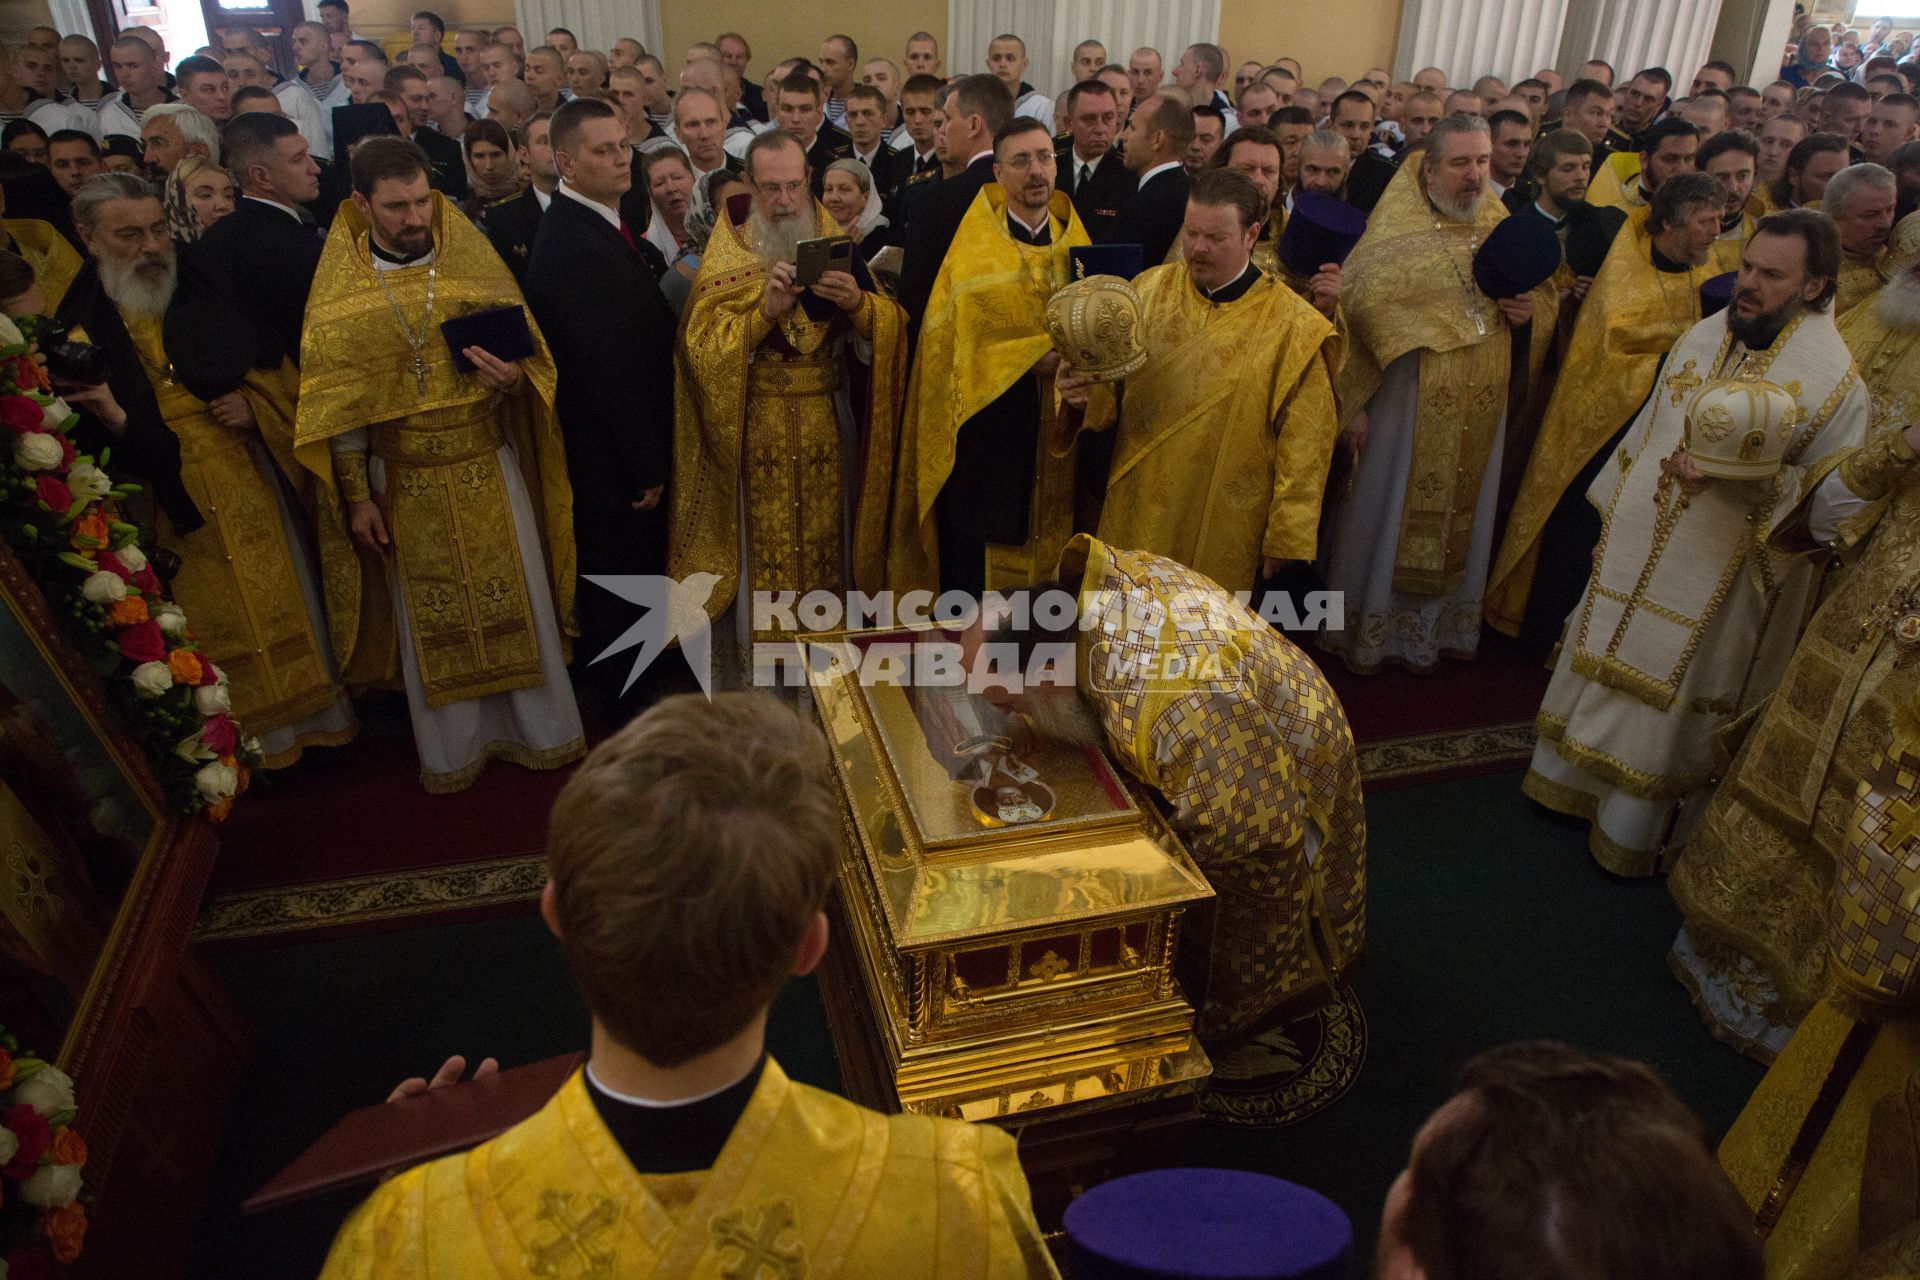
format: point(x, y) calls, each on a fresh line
point(786, 351)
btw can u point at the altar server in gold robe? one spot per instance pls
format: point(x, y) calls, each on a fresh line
point(1860, 199)
point(979, 500)
point(55, 262)
point(787, 395)
point(1690, 616)
point(1733, 158)
point(1424, 394)
point(1225, 434)
point(245, 576)
point(1757, 879)
point(1241, 734)
point(1645, 295)
point(689, 858)
point(446, 532)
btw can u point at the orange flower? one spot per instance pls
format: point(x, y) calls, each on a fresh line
point(92, 527)
point(127, 611)
point(219, 809)
point(6, 1070)
point(66, 1228)
point(185, 665)
point(69, 1147)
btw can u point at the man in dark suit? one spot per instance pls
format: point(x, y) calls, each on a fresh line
point(978, 107)
point(1091, 172)
point(801, 107)
point(513, 223)
point(867, 121)
point(263, 254)
point(598, 302)
point(1156, 141)
point(1368, 172)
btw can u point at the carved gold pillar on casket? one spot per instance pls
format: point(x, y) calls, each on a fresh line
point(1015, 905)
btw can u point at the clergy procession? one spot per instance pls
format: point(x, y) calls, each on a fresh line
point(978, 544)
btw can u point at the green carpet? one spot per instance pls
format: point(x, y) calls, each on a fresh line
point(1487, 922)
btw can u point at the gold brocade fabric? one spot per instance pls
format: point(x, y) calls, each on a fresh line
point(445, 501)
point(1632, 316)
point(985, 327)
point(1860, 279)
point(757, 435)
point(237, 578)
point(1616, 183)
point(1889, 363)
point(1464, 345)
point(1226, 434)
point(808, 1187)
point(55, 262)
point(1252, 757)
point(1726, 252)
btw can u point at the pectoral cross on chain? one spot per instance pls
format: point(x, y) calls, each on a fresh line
point(419, 374)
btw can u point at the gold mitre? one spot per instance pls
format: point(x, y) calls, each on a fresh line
point(1095, 324)
point(1738, 429)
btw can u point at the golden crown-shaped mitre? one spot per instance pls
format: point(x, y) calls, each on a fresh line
point(1738, 429)
point(1095, 325)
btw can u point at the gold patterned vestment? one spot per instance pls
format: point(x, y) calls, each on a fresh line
point(1409, 289)
point(1690, 615)
point(238, 580)
point(808, 1187)
point(758, 439)
point(1616, 183)
point(1889, 363)
point(55, 262)
point(1225, 436)
point(1860, 279)
point(985, 328)
point(1252, 750)
point(454, 543)
point(1632, 316)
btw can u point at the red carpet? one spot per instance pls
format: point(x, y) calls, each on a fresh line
point(1497, 687)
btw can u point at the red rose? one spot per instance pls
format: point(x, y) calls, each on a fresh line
point(54, 493)
point(33, 1262)
point(67, 455)
point(112, 564)
point(219, 735)
point(35, 1135)
point(20, 413)
point(142, 642)
point(209, 674)
point(147, 581)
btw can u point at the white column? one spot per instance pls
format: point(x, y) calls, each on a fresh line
point(1472, 38)
point(972, 25)
point(72, 18)
point(597, 23)
point(1635, 34)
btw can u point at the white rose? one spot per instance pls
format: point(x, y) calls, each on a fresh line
point(103, 587)
point(90, 484)
point(216, 782)
point(212, 699)
point(9, 1143)
point(219, 676)
point(55, 414)
point(51, 1186)
point(174, 623)
point(47, 1090)
point(191, 749)
point(133, 557)
point(37, 451)
point(150, 680)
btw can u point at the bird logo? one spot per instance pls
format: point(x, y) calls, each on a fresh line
point(672, 609)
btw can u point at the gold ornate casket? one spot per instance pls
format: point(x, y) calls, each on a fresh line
point(1014, 904)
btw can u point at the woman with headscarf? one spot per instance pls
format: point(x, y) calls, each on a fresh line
point(849, 194)
point(493, 167)
point(1810, 57)
point(199, 193)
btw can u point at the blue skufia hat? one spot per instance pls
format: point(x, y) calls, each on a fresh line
point(1519, 254)
point(1206, 1224)
point(1320, 229)
point(1716, 294)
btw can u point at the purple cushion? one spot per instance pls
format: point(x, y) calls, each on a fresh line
point(1207, 1224)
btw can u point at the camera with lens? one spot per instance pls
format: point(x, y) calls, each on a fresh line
point(80, 363)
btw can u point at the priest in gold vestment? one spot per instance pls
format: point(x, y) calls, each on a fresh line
point(1860, 199)
point(1250, 748)
point(446, 529)
point(690, 856)
point(979, 501)
point(786, 403)
point(1225, 434)
point(245, 576)
point(1690, 615)
point(1424, 395)
point(1645, 295)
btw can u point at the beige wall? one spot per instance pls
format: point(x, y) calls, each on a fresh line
point(17, 17)
point(794, 28)
point(376, 18)
point(1342, 39)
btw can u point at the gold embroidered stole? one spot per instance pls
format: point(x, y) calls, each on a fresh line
point(55, 262)
point(1889, 363)
point(1860, 280)
point(721, 381)
point(1632, 316)
point(454, 547)
point(985, 327)
point(237, 576)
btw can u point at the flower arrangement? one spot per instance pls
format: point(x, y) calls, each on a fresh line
point(59, 512)
point(42, 1222)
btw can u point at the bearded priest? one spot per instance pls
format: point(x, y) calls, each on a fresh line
point(1690, 615)
point(209, 443)
point(1225, 434)
point(1424, 396)
point(786, 395)
point(446, 528)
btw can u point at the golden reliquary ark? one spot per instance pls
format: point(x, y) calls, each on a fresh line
point(1014, 903)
